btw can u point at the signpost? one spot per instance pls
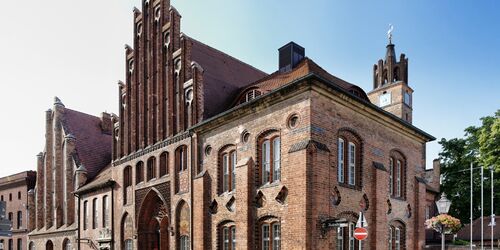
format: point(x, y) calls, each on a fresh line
point(360, 233)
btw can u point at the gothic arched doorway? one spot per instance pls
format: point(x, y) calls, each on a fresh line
point(152, 223)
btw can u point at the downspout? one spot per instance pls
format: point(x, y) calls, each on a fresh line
point(112, 217)
point(193, 170)
point(78, 224)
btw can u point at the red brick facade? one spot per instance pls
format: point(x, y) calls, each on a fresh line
point(16, 191)
point(211, 153)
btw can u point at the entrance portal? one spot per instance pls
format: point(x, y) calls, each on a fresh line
point(153, 233)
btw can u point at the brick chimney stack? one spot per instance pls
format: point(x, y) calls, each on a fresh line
point(106, 123)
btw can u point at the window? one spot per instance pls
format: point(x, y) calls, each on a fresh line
point(397, 178)
point(391, 174)
point(127, 184)
point(228, 237)
point(407, 98)
point(181, 158)
point(128, 245)
point(427, 212)
point(1, 198)
point(252, 94)
point(10, 197)
point(151, 168)
point(340, 238)
point(85, 215)
point(32, 246)
point(352, 163)
point(184, 243)
point(271, 236)
point(105, 212)
point(11, 217)
point(139, 172)
point(270, 154)
point(340, 159)
point(396, 235)
point(11, 244)
point(95, 217)
point(345, 237)
point(228, 168)
point(349, 159)
point(19, 195)
point(66, 244)
point(163, 164)
point(19, 244)
point(19, 219)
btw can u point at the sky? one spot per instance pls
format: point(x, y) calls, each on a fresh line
point(75, 50)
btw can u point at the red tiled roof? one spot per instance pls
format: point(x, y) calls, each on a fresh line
point(304, 68)
point(464, 233)
point(223, 76)
point(93, 146)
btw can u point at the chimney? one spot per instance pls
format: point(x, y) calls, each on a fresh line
point(289, 56)
point(106, 123)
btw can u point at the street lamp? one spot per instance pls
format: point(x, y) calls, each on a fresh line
point(443, 206)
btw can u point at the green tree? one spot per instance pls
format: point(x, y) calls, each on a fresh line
point(480, 146)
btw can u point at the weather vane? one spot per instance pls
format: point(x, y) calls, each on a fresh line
point(389, 33)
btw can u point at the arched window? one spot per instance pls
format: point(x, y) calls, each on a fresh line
point(270, 235)
point(345, 235)
point(183, 225)
point(397, 236)
point(32, 246)
point(105, 212)
point(95, 213)
point(129, 245)
point(227, 168)
point(228, 236)
point(397, 174)
point(11, 244)
point(19, 244)
point(18, 195)
point(151, 168)
point(163, 164)
point(127, 184)
point(85, 215)
point(181, 158)
point(270, 158)
point(49, 245)
point(349, 159)
point(66, 245)
point(19, 219)
point(139, 172)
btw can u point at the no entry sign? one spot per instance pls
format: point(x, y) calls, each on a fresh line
point(360, 233)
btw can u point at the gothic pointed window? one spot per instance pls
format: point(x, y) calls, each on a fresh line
point(139, 172)
point(151, 168)
point(127, 184)
point(163, 164)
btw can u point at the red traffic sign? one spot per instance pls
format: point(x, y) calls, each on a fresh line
point(360, 233)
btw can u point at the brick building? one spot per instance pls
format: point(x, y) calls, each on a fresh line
point(77, 148)
point(208, 152)
point(14, 190)
point(211, 153)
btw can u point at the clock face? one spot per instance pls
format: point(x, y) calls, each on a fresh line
point(385, 99)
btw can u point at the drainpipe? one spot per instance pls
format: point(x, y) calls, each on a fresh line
point(78, 224)
point(112, 217)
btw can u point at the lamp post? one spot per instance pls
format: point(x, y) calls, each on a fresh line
point(443, 206)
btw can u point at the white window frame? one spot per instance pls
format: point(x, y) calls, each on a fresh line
point(233, 170)
point(266, 237)
point(340, 238)
point(391, 176)
point(397, 242)
point(398, 178)
point(266, 164)
point(352, 164)
point(276, 159)
point(352, 240)
point(340, 157)
point(225, 238)
point(276, 236)
point(225, 172)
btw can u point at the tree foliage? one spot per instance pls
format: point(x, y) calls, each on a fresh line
point(481, 147)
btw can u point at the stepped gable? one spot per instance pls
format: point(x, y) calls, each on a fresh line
point(223, 76)
point(93, 145)
point(304, 68)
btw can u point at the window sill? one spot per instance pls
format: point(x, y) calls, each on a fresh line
point(270, 185)
point(228, 193)
point(398, 198)
point(350, 186)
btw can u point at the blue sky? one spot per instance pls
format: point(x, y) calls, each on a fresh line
point(74, 49)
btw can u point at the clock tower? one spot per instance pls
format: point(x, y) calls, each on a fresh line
point(390, 85)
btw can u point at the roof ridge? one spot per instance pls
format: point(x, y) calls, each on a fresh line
point(225, 54)
point(79, 112)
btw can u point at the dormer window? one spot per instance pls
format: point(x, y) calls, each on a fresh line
point(252, 94)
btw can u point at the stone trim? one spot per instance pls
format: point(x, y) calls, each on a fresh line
point(305, 144)
point(379, 166)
